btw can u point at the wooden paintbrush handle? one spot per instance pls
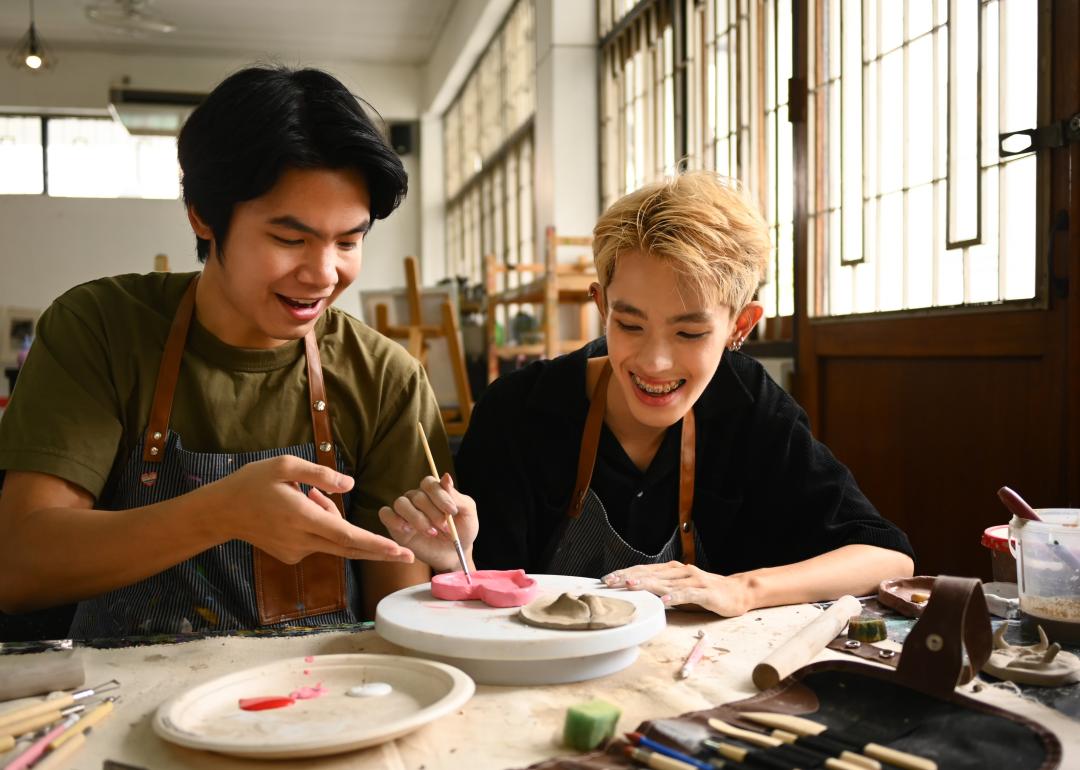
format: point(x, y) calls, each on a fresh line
point(804, 645)
point(899, 758)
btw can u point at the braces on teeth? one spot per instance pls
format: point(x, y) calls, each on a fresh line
point(657, 391)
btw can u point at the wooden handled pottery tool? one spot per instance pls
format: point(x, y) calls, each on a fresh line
point(41, 745)
point(12, 718)
point(89, 719)
point(807, 643)
point(801, 726)
point(39, 720)
point(449, 518)
point(695, 655)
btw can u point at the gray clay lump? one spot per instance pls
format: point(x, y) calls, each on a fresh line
point(572, 612)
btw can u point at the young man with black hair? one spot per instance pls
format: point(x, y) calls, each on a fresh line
point(208, 450)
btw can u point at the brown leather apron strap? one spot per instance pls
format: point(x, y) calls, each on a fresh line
point(169, 370)
point(590, 440)
point(320, 412)
point(687, 453)
point(317, 583)
point(282, 591)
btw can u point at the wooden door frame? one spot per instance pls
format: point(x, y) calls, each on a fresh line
point(1052, 332)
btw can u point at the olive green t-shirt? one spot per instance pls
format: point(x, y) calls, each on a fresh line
point(83, 397)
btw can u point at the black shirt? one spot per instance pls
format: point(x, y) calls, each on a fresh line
point(766, 493)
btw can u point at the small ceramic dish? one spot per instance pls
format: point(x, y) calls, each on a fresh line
point(896, 594)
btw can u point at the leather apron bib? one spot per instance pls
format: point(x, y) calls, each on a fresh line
point(232, 585)
point(588, 545)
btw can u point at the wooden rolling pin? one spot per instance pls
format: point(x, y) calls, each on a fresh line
point(27, 675)
point(808, 642)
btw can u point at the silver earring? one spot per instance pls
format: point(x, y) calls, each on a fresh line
point(736, 344)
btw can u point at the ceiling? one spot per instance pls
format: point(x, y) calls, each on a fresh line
point(383, 31)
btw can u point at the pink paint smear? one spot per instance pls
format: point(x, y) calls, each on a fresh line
point(307, 693)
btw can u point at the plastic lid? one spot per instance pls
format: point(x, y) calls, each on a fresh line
point(996, 538)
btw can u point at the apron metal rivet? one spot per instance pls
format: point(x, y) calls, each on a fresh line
point(686, 526)
point(324, 446)
point(157, 436)
point(153, 450)
point(320, 406)
point(934, 642)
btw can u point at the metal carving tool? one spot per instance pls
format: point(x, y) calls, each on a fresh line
point(449, 519)
point(53, 704)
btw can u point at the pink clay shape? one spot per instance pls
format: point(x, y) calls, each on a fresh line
point(494, 587)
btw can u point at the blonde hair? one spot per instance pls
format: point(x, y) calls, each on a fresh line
point(701, 224)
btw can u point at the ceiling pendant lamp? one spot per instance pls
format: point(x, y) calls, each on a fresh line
point(30, 53)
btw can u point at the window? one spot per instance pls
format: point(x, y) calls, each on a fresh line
point(727, 111)
point(906, 100)
point(637, 94)
point(85, 157)
point(488, 152)
point(20, 156)
point(96, 158)
point(739, 58)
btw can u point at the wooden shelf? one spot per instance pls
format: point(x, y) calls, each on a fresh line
point(549, 285)
point(535, 349)
point(571, 287)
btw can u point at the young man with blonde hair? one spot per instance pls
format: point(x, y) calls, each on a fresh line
point(659, 457)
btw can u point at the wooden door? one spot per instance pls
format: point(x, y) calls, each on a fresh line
point(934, 411)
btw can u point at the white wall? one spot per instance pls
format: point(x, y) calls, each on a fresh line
point(51, 244)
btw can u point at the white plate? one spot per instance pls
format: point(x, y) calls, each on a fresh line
point(494, 646)
point(209, 717)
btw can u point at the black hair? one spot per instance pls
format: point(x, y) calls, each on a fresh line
point(262, 121)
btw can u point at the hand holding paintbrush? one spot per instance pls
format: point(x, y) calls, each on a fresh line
point(435, 521)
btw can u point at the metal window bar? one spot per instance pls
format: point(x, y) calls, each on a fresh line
point(928, 266)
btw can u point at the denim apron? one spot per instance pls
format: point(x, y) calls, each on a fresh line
point(588, 545)
point(232, 585)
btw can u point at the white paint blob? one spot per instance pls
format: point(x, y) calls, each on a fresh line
point(370, 690)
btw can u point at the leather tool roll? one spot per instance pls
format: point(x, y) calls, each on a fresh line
point(914, 709)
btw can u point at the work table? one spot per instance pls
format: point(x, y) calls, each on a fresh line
point(501, 727)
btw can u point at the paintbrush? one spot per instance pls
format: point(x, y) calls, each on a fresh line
point(772, 761)
point(809, 748)
point(449, 518)
point(801, 726)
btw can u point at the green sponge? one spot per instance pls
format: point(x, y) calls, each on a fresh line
point(867, 628)
point(589, 725)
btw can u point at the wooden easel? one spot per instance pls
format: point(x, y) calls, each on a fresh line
point(416, 335)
